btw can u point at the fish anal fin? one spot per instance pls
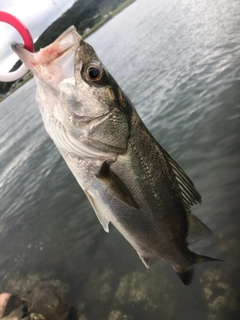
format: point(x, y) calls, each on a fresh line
point(115, 186)
point(99, 210)
point(197, 230)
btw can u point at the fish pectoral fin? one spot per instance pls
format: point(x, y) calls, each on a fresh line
point(115, 186)
point(189, 193)
point(99, 210)
point(197, 230)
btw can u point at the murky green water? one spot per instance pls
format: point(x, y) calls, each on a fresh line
point(179, 63)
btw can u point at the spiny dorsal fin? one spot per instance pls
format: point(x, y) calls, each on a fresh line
point(197, 230)
point(190, 195)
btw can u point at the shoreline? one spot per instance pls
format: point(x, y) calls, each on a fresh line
point(111, 15)
point(97, 26)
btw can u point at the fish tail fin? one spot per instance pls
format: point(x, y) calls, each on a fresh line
point(186, 275)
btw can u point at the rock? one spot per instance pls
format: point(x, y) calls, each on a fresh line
point(3, 302)
point(35, 316)
point(22, 285)
point(140, 290)
point(221, 295)
point(47, 303)
point(13, 318)
point(82, 317)
point(136, 294)
point(45, 295)
point(99, 286)
point(118, 315)
point(15, 315)
point(11, 306)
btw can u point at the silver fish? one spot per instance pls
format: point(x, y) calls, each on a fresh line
point(129, 179)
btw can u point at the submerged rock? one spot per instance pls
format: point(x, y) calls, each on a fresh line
point(22, 285)
point(82, 317)
point(99, 286)
point(140, 290)
point(221, 293)
point(131, 296)
point(35, 316)
point(49, 304)
point(4, 297)
point(45, 296)
point(118, 315)
point(12, 307)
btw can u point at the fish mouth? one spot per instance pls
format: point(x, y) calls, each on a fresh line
point(55, 62)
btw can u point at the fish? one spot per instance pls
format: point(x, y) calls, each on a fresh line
point(127, 176)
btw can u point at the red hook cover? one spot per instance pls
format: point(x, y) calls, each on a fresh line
point(20, 27)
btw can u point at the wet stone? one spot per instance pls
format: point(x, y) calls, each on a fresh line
point(82, 317)
point(35, 316)
point(44, 294)
point(118, 315)
point(221, 295)
point(99, 286)
point(139, 290)
point(23, 285)
point(47, 303)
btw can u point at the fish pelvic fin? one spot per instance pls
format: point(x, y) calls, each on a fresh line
point(186, 275)
point(145, 261)
point(100, 211)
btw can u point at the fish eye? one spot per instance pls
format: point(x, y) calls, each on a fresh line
point(93, 73)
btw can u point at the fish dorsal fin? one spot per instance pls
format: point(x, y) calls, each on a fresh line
point(99, 210)
point(197, 230)
point(189, 193)
point(115, 186)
